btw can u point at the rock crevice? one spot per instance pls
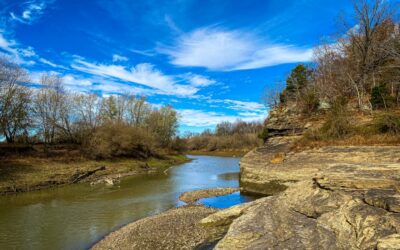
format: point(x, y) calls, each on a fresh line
point(307, 217)
point(333, 197)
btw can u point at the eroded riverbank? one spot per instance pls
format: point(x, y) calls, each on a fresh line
point(89, 213)
point(23, 174)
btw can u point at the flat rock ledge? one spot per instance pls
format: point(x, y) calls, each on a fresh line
point(306, 216)
point(336, 197)
point(272, 168)
point(193, 196)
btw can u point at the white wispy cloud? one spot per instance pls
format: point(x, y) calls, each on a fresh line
point(243, 105)
point(148, 53)
point(7, 44)
point(84, 84)
point(21, 54)
point(227, 50)
point(171, 24)
point(200, 118)
point(72, 80)
point(119, 58)
point(229, 110)
point(10, 48)
point(144, 74)
point(31, 11)
point(50, 63)
point(199, 80)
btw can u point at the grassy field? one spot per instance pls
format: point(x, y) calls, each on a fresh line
point(19, 174)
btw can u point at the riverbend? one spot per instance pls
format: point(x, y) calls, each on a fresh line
point(77, 216)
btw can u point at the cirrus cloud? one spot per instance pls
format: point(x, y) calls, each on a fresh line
point(119, 58)
point(31, 11)
point(147, 75)
point(200, 118)
point(228, 50)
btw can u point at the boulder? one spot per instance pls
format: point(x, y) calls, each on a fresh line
point(306, 216)
point(226, 216)
point(391, 242)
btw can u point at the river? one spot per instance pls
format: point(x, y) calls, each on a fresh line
point(77, 216)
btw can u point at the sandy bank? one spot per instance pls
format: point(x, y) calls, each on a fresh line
point(193, 196)
point(177, 228)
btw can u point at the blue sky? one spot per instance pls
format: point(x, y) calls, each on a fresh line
point(210, 59)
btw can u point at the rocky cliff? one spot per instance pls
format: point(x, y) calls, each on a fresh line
point(332, 197)
point(307, 216)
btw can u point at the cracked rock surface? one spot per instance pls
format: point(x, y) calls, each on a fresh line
point(306, 216)
point(350, 168)
point(333, 197)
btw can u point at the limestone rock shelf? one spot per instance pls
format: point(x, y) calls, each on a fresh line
point(338, 168)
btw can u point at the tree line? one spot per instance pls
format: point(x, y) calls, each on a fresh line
point(49, 114)
point(358, 73)
point(227, 136)
point(362, 65)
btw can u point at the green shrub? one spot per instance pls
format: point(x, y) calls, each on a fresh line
point(309, 101)
point(380, 97)
point(337, 125)
point(388, 124)
point(263, 135)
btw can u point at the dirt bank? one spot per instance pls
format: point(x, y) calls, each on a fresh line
point(28, 173)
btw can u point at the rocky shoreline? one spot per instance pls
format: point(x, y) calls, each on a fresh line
point(306, 216)
point(326, 198)
point(331, 197)
point(177, 228)
point(349, 168)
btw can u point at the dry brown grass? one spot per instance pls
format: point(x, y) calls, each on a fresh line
point(364, 129)
point(354, 140)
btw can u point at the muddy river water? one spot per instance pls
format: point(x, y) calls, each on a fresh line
point(76, 216)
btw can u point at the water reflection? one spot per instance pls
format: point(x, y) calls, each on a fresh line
point(229, 176)
point(226, 200)
point(74, 217)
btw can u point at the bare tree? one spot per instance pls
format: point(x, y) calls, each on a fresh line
point(164, 123)
point(14, 101)
point(359, 60)
point(330, 74)
point(88, 110)
point(367, 43)
point(271, 95)
point(224, 128)
point(53, 110)
point(138, 110)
